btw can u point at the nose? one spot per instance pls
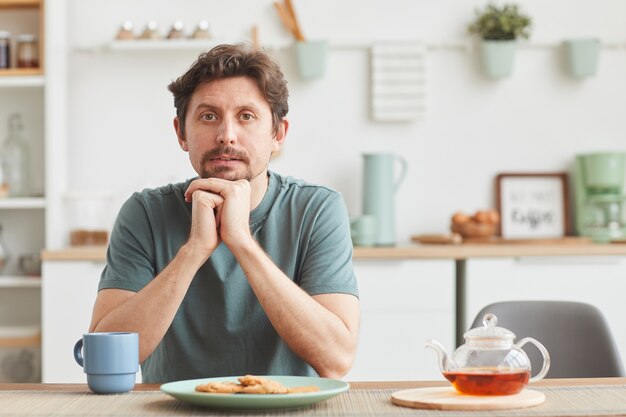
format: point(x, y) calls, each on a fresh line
point(227, 134)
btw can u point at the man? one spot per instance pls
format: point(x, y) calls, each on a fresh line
point(242, 270)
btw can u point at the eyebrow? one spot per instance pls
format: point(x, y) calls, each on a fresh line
point(203, 106)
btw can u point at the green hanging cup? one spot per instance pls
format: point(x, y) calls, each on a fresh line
point(581, 56)
point(498, 58)
point(311, 57)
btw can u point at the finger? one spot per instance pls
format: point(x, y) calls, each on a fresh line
point(215, 185)
point(206, 184)
point(205, 197)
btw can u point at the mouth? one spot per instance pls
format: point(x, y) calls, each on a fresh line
point(224, 158)
point(224, 161)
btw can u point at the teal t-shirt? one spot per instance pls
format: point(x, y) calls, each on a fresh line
point(220, 328)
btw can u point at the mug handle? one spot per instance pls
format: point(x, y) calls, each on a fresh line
point(544, 353)
point(403, 169)
point(78, 352)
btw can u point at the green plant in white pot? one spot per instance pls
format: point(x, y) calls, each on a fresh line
point(499, 28)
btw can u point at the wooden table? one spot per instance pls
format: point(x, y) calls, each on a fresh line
point(364, 398)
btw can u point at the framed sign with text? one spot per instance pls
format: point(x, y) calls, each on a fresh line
point(533, 206)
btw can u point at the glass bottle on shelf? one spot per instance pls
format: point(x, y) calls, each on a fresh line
point(15, 159)
point(5, 49)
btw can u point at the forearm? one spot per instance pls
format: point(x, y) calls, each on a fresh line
point(150, 311)
point(313, 332)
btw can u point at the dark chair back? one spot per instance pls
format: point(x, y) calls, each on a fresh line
point(576, 335)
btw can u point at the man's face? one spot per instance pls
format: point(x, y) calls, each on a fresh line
point(229, 130)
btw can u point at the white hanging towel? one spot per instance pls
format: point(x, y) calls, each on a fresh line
point(398, 81)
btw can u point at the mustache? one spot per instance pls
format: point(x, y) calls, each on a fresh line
point(225, 150)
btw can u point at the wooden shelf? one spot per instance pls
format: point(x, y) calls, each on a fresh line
point(20, 72)
point(19, 282)
point(38, 5)
point(12, 4)
point(76, 253)
point(9, 203)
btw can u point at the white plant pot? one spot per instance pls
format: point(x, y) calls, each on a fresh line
point(498, 58)
point(581, 56)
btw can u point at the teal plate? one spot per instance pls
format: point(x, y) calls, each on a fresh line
point(186, 391)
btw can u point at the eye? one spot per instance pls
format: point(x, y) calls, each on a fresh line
point(247, 116)
point(207, 116)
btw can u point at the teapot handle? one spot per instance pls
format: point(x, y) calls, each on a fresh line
point(544, 353)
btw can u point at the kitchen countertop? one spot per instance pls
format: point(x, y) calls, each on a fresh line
point(416, 251)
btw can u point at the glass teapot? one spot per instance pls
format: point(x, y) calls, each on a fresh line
point(489, 363)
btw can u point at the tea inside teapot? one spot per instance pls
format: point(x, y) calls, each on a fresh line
point(488, 381)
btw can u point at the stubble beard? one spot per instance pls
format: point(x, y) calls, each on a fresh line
point(225, 172)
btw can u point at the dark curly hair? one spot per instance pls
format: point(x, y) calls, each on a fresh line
point(224, 61)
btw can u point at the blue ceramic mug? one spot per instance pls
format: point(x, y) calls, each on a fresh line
point(110, 360)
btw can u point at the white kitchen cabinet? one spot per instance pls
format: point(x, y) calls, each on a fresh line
point(38, 94)
point(68, 291)
point(403, 303)
point(600, 281)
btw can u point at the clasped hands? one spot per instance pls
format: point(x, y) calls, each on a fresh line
point(220, 211)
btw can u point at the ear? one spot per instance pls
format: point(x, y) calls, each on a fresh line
point(181, 137)
point(281, 135)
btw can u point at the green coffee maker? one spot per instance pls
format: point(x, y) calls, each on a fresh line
point(600, 196)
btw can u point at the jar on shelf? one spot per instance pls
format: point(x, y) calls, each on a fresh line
point(14, 156)
point(27, 51)
point(201, 31)
point(125, 32)
point(151, 31)
point(176, 32)
point(90, 217)
point(5, 50)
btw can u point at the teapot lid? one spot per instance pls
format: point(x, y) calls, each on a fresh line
point(489, 331)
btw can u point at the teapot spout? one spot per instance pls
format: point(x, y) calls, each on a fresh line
point(445, 363)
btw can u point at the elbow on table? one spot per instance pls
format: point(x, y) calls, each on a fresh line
point(337, 366)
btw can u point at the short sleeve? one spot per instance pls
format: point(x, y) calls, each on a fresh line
point(327, 266)
point(131, 254)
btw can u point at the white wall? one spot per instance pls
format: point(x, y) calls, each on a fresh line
point(119, 110)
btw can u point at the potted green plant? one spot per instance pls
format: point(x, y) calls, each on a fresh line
point(499, 27)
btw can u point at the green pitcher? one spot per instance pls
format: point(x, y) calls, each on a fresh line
point(379, 188)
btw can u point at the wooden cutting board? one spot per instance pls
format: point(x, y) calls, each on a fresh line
point(447, 398)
